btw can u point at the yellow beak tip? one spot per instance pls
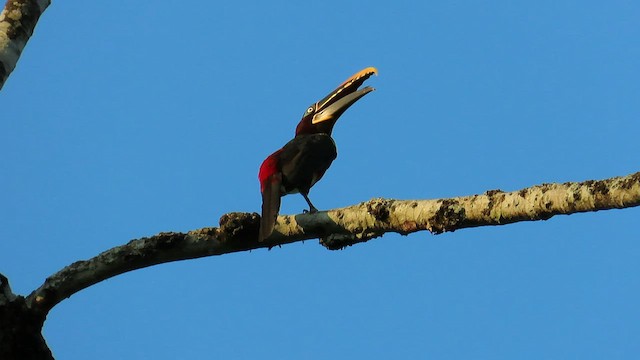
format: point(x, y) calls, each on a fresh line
point(367, 71)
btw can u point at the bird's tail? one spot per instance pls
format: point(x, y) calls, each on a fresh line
point(270, 205)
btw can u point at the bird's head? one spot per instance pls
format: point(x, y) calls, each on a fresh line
point(322, 115)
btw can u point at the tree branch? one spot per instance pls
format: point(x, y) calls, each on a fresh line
point(20, 328)
point(343, 227)
point(17, 21)
point(6, 295)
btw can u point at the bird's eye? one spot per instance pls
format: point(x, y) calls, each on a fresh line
point(310, 110)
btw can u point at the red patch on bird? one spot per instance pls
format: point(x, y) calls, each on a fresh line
point(269, 167)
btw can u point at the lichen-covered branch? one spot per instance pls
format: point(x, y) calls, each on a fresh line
point(17, 21)
point(373, 218)
point(343, 227)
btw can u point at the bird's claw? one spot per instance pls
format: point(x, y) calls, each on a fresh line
point(310, 211)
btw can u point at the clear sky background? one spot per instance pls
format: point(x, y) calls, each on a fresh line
point(125, 119)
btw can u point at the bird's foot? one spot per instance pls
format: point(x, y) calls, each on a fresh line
point(311, 210)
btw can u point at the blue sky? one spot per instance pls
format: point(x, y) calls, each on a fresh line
point(126, 119)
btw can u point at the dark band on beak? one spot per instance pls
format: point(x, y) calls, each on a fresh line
point(339, 100)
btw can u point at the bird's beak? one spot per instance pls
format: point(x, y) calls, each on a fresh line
point(340, 99)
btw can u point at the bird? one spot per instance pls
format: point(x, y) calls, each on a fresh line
point(302, 161)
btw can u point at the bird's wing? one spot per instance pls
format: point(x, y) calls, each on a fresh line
point(305, 159)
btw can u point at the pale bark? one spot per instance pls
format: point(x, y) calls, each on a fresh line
point(21, 318)
point(343, 227)
point(18, 19)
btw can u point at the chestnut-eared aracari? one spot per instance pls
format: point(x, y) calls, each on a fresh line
point(301, 162)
